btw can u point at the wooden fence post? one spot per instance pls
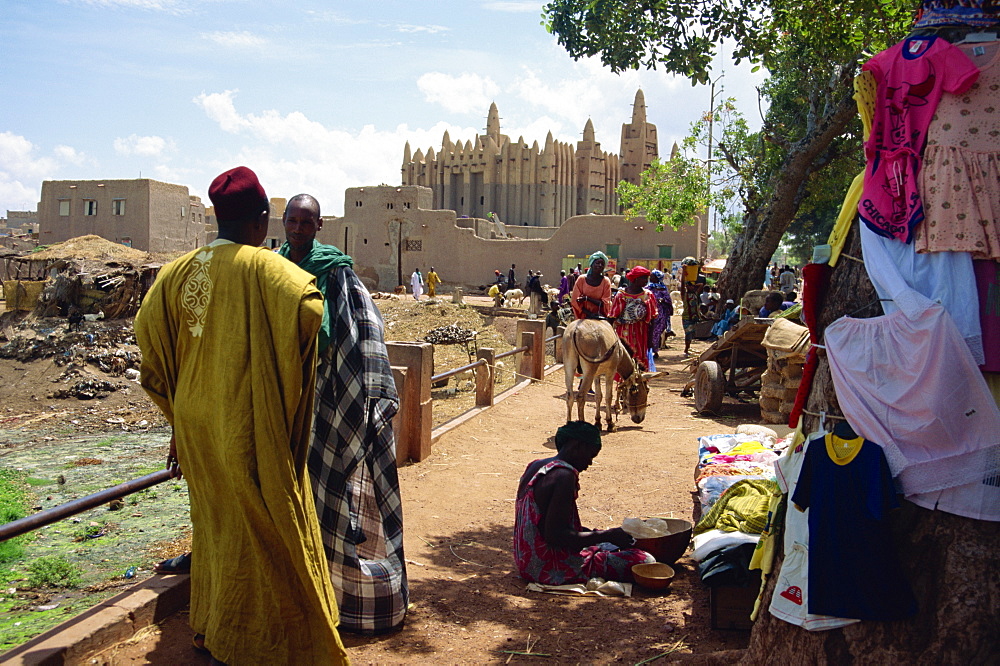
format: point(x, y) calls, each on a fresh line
point(484, 377)
point(402, 444)
point(531, 332)
point(416, 422)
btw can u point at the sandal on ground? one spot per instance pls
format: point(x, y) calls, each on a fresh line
point(198, 642)
point(175, 565)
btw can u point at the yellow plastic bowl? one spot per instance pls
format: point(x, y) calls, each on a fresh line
point(653, 576)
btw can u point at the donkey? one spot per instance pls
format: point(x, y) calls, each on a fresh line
point(595, 346)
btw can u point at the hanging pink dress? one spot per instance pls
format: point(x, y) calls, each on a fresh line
point(911, 77)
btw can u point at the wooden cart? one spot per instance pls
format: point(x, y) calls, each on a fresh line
point(733, 364)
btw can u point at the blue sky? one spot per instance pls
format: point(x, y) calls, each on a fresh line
point(314, 96)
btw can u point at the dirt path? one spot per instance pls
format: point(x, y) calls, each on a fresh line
point(469, 605)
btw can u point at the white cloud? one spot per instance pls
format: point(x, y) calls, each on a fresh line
point(22, 171)
point(69, 154)
point(513, 7)
point(236, 40)
point(458, 93)
point(292, 153)
point(147, 146)
point(220, 108)
point(328, 16)
point(429, 29)
point(173, 174)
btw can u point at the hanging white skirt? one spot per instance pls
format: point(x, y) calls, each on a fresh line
point(908, 382)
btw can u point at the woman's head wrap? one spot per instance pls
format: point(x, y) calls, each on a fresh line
point(580, 431)
point(636, 272)
point(598, 255)
point(656, 275)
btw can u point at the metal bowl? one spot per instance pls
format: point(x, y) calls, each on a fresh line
point(669, 548)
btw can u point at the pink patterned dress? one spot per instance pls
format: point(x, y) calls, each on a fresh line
point(633, 314)
point(960, 180)
point(538, 562)
point(911, 77)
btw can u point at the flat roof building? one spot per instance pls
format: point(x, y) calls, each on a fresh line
point(141, 213)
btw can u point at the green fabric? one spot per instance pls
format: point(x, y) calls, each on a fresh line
point(742, 508)
point(598, 255)
point(320, 260)
point(580, 431)
point(791, 313)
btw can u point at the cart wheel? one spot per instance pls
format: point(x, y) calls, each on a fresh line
point(709, 387)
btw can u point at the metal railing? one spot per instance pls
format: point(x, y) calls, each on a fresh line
point(482, 362)
point(57, 513)
point(458, 371)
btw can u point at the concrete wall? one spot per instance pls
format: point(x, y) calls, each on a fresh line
point(157, 216)
point(389, 235)
point(173, 220)
point(20, 222)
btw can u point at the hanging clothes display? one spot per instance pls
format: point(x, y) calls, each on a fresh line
point(960, 178)
point(847, 488)
point(907, 381)
point(911, 77)
point(790, 601)
point(897, 272)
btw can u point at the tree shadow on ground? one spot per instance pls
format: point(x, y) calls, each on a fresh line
point(470, 589)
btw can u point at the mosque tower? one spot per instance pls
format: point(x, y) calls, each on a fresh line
point(639, 142)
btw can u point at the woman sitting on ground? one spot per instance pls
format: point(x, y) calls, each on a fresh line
point(550, 545)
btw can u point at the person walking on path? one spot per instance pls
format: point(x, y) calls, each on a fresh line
point(536, 295)
point(564, 287)
point(417, 284)
point(591, 295)
point(228, 338)
point(633, 308)
point(511, 278)
point(664, 311)
point(432, 282)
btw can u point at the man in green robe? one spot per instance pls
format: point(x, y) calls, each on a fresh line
point(228, 335)
point(353, 455)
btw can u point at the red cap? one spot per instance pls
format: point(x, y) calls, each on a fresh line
point(237, 195)
point(636, 272)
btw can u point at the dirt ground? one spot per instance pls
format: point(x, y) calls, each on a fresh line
point(468, 604)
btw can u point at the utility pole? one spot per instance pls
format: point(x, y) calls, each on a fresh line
point(711, 128)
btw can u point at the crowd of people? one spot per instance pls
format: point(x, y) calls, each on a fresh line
point(297, 527)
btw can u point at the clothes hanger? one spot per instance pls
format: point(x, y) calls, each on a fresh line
point(843, 430)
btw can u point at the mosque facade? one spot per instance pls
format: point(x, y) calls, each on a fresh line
point(531, 186)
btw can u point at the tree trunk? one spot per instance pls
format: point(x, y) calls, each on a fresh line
point(950, 561)
point(763, 229)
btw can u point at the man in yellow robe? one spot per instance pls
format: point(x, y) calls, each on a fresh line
point(228, 335)
point(432, 282)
